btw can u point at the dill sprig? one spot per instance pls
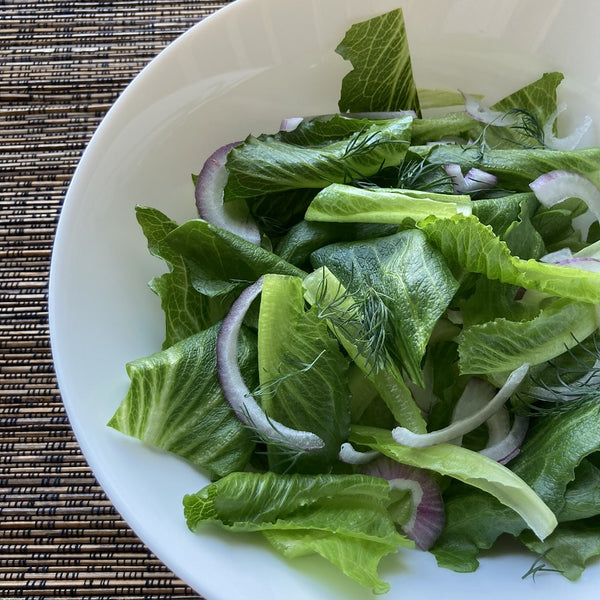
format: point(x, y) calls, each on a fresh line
point(540, 566)
point(361, 315)
point(576, 384)
point(528, 125)
point(272, 386)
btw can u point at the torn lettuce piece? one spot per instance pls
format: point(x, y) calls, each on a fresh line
point(555, 445)
point(315, 154)
point(344, 518)
point(410, 280)
point(569, 548)
point(175, 403)
point(382, 78)
point(515, 168)
point(469, 467)
point(221, 262)
point(502, 345)
point(303, 375)
point(468, 245)
point(346, 317)
point(340, 203)
point(186, 310)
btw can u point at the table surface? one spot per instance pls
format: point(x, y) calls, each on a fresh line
point(62, 65)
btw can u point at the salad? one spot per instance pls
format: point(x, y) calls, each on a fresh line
point(380, 333)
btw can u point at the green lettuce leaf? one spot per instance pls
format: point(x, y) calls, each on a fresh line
point(515, 168)
point(343, 518)
point(315, 154)
point(408, 275)
point(340, 203)
point(175, 403)
point(501, 345)
point(469, 467)
point(382, 78)
point(220, 262)
point(468, 245)
point(186, 310)
point(570, 547)
point(555, 445)
point(345, 316)
point(303, 374)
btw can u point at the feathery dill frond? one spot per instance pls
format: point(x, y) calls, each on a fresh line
point(360, 314)
point(576, 384)
point(539, 566)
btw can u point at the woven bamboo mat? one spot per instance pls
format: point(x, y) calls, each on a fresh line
point(62, 65)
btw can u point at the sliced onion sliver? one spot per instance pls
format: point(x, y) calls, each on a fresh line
point(447, 434)
point(569, 142)
point(349, 455)
point(475, 180)
point(232, 216)
point(507, 448)
point(566, 258)
point(556, 186)
point(427, 520)
point(290, 123)
point(482, 113)
point(235, 390)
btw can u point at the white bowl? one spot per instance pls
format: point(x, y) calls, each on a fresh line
point(239, 71)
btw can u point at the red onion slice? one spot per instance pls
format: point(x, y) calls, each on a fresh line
point(237, 393)
point(233, 216)
point(509, 446)
point(482, 113)
point(474, 181)
point(428, 517)
point(556, 186)
point(290, 123)
point(459, 428)
point(569, 142)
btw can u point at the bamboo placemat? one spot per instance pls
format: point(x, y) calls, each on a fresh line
point(62, 65)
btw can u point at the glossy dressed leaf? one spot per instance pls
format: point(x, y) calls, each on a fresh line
point(318, 153)
point(343, 518)
point(547, 462)
point(175, 403)
point(410, 278)
point(303, 374)
point(221, 262)
point(187, 311)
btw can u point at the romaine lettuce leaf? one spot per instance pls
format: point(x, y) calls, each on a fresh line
point(515, 168)
point(470, 467)
point(175, 403)
point(303, 374)
point(468, 245)
point(382, 78)
point(501, 345)
point(340, 203)
point(408, 275)
point(343, 518)
point(187, 311)
point(220, 262)
point(554, 447)
point(315, 154)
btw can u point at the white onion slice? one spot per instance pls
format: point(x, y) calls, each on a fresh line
point(349, 455)
point(428, 517)
point(235, 390)
point(482, 113)
point(233, 216)
point(459, 428)
point(569, 142)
